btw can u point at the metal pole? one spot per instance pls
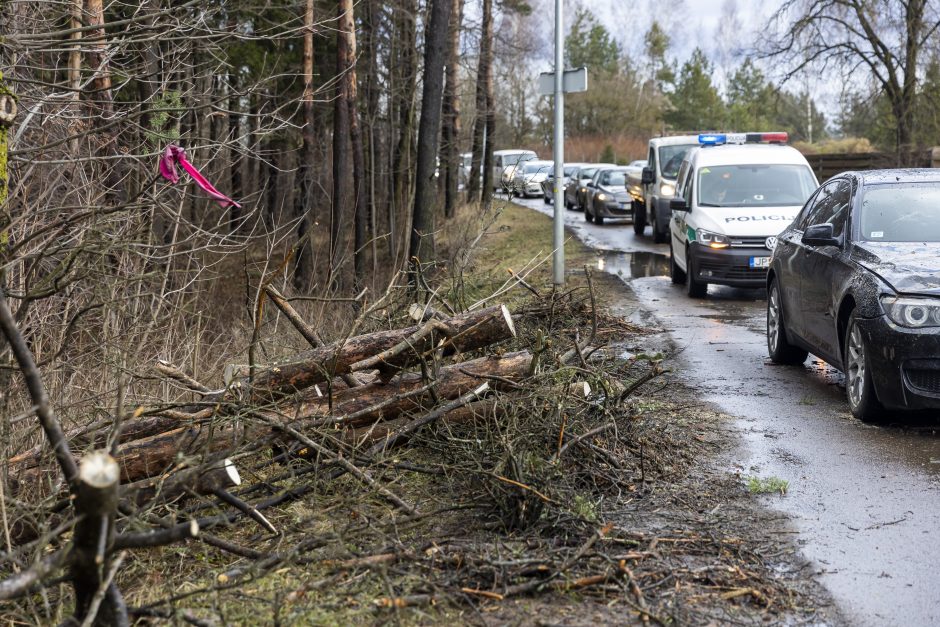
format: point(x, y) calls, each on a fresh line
point(558, 239)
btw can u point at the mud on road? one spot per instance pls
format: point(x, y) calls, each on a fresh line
point(863, 499)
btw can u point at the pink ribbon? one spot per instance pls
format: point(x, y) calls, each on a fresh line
point(173, 155)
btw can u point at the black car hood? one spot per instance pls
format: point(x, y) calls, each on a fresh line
point(910, 268)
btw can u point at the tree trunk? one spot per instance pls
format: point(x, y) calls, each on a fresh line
point(303, 262)
point(405, 80)
point(340, 145)
point(435, 50)
point(361, 216)
point(450, 133)
point(387, 401)
point(481, 140)
point(470, 330)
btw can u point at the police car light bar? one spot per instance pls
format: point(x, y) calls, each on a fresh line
point(716, 139)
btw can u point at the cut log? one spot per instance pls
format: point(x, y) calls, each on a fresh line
point(202, 480)
point(377, 400)
point(470, 330)
point(96, 435)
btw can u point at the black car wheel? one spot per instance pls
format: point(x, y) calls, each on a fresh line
point(693, 287)
point(587, 215)
point(858, 383)
point(639, 218)
point(546, 199)
point(675, 272)
point(778, 343)
point(598, 218)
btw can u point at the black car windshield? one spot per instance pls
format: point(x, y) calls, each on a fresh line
point(616, 179)
point(587, 173)
point(754, 185)
point(570, 169)
point(900, 212)
point(671, 158)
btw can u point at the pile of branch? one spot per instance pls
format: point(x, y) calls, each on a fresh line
point(344, 404)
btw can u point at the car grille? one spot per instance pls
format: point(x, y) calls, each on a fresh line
point(721, 270)
point(927, 380)
point(749, 242)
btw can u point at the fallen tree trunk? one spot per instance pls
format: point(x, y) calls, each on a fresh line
point(467, 331)
point(407, 392)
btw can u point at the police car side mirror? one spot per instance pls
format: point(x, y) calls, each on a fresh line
point(679, 204)
point(820, 235)
point(647, 176)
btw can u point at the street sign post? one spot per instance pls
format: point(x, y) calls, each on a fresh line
point(558, 83)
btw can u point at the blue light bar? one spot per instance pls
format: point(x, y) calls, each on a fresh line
point(712, 139)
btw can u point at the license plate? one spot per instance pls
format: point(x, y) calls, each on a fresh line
point(759, 262)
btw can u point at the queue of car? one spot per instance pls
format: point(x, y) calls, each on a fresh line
point(851, 267)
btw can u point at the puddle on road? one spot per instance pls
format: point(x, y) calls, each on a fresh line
point(634, 265)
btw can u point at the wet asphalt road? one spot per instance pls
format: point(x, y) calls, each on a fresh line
point(864, 499)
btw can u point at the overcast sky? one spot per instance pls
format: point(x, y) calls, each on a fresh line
point(725, 29)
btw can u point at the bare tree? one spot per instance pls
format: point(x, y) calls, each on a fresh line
point(450, 132)
point(361, 215)
point(884, 37)
point(340, 141)
point(435, 45)
point(303, 265)
point(482, 125)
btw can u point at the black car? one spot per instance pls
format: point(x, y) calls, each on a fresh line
point(606, 196)
point(855, 279)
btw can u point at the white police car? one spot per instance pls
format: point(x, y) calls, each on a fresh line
point(734, 194)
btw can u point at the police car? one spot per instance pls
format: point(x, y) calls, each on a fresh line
point(734, 194)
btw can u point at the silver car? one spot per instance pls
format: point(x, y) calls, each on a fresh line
point(528, 178)
point(548, 185)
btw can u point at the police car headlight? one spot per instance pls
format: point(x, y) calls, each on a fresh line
point(712, 240)
point(602, 197)
point(913, 313)
point(667, 189)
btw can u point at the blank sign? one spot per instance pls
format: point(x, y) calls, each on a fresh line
point(574, 80)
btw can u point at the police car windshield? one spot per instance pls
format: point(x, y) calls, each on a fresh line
point(901, 213)
point(671, 158)
point(534, 168)
point(754, 185)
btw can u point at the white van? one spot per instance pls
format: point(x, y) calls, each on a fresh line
point(504, 166)
point(734, 195)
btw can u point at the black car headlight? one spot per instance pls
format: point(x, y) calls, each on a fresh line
point(913, 313)
point(712, 240)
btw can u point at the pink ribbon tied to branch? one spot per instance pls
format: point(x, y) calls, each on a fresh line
point(174, 155)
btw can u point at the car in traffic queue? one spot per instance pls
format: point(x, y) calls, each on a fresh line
point(653, 187)
point(734, 195)
point(528, 177)
point(505, 163)
point(855, 280)
point(606, 196)
point(577, 188)
point(548, 185)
